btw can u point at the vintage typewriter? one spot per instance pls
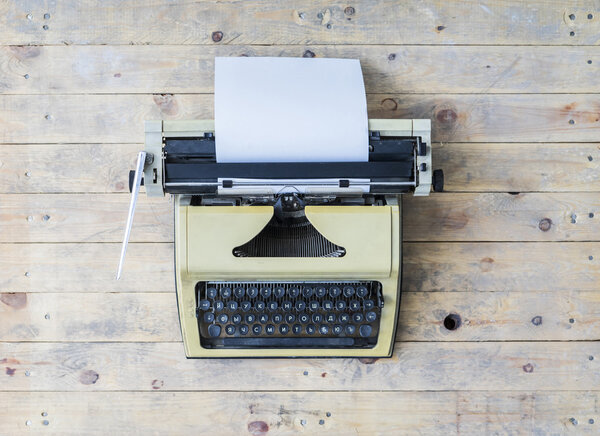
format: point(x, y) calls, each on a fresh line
point(286, 259)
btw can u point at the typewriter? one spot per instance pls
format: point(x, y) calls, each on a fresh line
point(286, 259)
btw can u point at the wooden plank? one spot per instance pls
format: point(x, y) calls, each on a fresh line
point(415, 366)
point(427, 267)
point(502, 217)
point(439, 217)
point(456, 117)
point(458, 267)
point(303, 22)
point(141, 317)
point(387, 69)
point(519, 167)
point(261, 413)
point(103, 168)
point(85, 268)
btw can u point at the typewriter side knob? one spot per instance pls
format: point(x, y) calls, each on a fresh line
point(438, 180)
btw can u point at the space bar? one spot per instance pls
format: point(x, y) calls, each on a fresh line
point(288, 342)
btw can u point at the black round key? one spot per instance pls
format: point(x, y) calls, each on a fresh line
point(209, 317)
point(263, 318)
point(340, 305)
point(303, 318)
point(230, 329)
point(313, 305)
point(296, 329)
point(337, 329)
point(354, 305)
point(369, 304)
point(320, 291)
point(350, 329)
point(265, 292)
point(256, 329)
point(324, 329)
point(252, 292)
point(286, 305)
point(236, 318)
point(225, 292)
point(269, 329)
point(222, 318)
point(362, 291)
point(293, 292)
point(365, 330)
point(232, 305)
point(245, 305)
point(214, 330)
point(327, 305)
point(279, 292)
point(317, 318)
point(277, 318)
point(272, 306)
point(344, 318)
point(250, 318)
point(204, 305)
point(349, 291)
point(284, 329)
point(357, 317)
point(307, 292)
point(243, 329)
point(371, 316)
point(218, 305)
point(290, 318)
point(311, 329)
point(330, 317)
point(300, 305)
point(211, 293)
point(259, 305)
point(239, 292)
point(334, 291)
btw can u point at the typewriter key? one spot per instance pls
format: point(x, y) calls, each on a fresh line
point(256, 329)
point(252, 292)
point(286, 305)
point(311, 329)
point(303, 318)
point(236, 318)
point(354, 305)
point(350, 329)
point(297, 329)
point(272, 305)
point(263, 318)
point(361, 291)
point(222, 318)
point(243, 329)
point(327, 305)
point(337, 329)
point(270, 329)
point(334, 291)
point(317, 318)
point(313, 305)
point(250, 318)
point(209, 317)
point(358, 317)
point(225, 292)
point(369, 304)
point(211, 293)
point(232, 305)
point(300, 305)
point(204, 305)
point(239, 292)
point(277, 318)
point(259, 305)
point(340, 305)
point(279, 292)
point(265, 292)
point(324, 329)
point(214, 330)
point(320, 291)
point(307, 292)
point(230, 329)
point(371, 316)
point(219, 306)
point(290, 318)
point(284, 329)
point(348, 291)
point(246, 306)
point(294, 292)
point(365, 330)
point(330, 317)
point(344, 318)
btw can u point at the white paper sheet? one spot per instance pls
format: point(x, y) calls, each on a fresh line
point(290, 110)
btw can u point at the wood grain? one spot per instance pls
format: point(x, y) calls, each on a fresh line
point(103, 168)
point(451, 267)
point(415, 366)
point(407, 413)
point(439, 217)
point(455, 117)
point(384, 22)
point(455, 267)
point(152, 317)
point(387, 68)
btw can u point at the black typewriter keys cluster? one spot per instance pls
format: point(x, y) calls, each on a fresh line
point(350, 311)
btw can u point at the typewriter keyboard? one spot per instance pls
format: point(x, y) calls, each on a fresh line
point(289, 315)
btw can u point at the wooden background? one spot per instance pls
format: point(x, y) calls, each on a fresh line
point(512, 247)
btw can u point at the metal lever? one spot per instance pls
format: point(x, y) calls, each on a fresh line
point(137, 181)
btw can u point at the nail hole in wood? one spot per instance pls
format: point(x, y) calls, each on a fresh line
point(452, 321)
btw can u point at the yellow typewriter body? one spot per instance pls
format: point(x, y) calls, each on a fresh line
point(232, 219)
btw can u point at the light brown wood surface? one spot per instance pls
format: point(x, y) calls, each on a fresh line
point(512, 247)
